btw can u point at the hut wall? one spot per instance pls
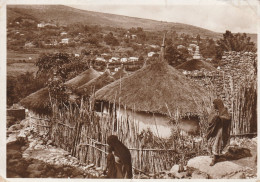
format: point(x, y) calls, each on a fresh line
point(158, 124)
point(232, 83)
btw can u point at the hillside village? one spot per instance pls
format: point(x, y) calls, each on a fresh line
point(153, 89)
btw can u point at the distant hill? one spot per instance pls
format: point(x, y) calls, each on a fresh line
point(65, 15)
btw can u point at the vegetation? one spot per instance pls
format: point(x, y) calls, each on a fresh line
point(21, 86)
point(234, 42)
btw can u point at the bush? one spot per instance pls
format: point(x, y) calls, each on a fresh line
point(21, 86)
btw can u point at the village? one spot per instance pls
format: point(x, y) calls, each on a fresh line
point(153, 90)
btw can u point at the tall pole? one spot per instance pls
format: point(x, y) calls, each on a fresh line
point(163, 47)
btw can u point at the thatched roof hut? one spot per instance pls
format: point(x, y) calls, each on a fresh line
point(120, 73)
point(38, 102)
point(95, 84)
point(156, 88)
point(82, 78)
point(196, 64)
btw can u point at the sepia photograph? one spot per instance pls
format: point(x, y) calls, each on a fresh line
point(130, 90)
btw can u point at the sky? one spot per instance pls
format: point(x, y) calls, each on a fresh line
point(216, 15)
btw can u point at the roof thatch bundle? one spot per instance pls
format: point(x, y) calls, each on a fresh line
point(82, 78)
point(38, 102)
point(156, 88)
point(196, 64)
point(95, 84)
point(120, 73)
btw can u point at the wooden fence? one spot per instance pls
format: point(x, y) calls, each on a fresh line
point(84, 135)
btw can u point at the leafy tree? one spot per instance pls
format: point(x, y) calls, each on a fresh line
point(111, 40)
point(175, 56)
point(238, 42)
point(21, 86)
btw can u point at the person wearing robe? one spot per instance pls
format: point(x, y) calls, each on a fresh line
point(218, 132)
point(111, 164)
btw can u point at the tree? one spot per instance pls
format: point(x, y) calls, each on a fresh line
point(174, 56)
point(238, 42)
point(111, 40)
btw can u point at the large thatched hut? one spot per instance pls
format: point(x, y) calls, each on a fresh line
point(154, 93)
point(95, 84)
point(39, 101)
point(196, 64)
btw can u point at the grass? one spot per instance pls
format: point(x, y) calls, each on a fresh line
point(15, 57)
point(16, 69)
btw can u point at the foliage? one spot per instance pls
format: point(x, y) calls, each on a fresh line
point(22, 86)
point(234, 42)
point(175, 56)
point(111, 40)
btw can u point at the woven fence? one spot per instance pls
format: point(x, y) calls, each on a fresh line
point(83, 133)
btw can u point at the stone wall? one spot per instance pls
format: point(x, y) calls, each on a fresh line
point(230, 82)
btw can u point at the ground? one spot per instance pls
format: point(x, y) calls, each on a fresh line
point(31, 155)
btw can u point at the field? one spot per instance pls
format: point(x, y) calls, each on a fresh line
point(20, 63)
point(15, 69)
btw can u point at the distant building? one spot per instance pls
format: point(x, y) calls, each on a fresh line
point(29, 45)
point(40, 25)
point(180, 47)
point(193, 45)
point(154, 46)
point(150, 54)
point(133, 59)
point(133, 36)
point(197, 53)
point(100, 59)
point(65, 41)
point(123, 60)
point(113, 59)
point(63, 33)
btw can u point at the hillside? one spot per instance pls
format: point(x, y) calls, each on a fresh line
point(65, 15)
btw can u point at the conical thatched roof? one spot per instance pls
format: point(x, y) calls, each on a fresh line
point(196, 64)
point(38, 102)
point(82, 78)
point(120, 73)
point(156, 88)
point(95, 84)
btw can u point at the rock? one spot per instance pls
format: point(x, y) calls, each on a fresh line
point(199, 175)
point(39, 146)
point(175, 169)
point(79, 176)
point(219, 170)
point(90, 166)
point(11, 138)
point(239, 175)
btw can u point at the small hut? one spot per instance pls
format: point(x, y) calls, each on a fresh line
point(82, 78)
point(196, 64)
point(95, 84)
point(39, 101)
point(153, 93)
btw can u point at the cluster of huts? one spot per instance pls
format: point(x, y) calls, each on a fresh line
point(153, 96)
